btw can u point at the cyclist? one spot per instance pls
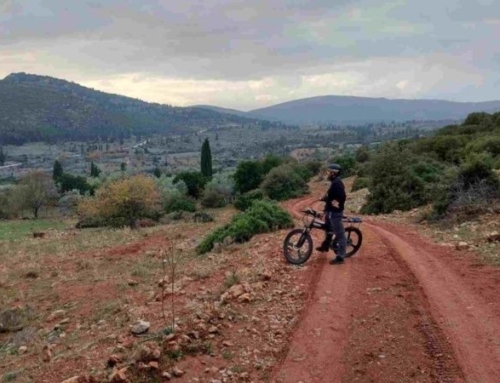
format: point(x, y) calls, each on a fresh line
point(334, 211)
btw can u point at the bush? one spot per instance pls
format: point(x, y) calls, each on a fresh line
point(248, 176)
point(177, 202)
point(360, 183)
point(394, 185)
point(284, 182)
point(348, 164)
point(471, 190)
point(244, 201)
point(194, 181)
point(261, 217)
point(122, 202)
point(213, 198)
point(313, 166)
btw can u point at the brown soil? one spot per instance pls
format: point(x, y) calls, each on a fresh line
point(402, 310)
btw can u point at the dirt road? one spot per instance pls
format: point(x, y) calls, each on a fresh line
point(402, 310)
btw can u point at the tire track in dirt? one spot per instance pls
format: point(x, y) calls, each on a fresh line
point(468, 321)
point(310, 352)
point(393, 313)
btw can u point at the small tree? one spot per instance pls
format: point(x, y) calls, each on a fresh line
point(194, 181)
point(124, 201)
point(123, 167)
point(94, 170)
point(206, 159)
point(36, 189)
point(57, 171)
point(2, 157)
point(248, 176)
point(157, 172)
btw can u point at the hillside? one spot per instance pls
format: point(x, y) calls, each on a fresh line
point(40, 108)
point(340, 109)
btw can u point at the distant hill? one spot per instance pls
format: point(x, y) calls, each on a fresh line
point(342, 109)
point(223, 110)
point(41, 108)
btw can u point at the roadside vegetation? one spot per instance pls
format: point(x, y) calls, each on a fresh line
point(455, 171)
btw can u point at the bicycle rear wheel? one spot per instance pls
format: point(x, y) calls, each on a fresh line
point(298, 246)
point(354, 241)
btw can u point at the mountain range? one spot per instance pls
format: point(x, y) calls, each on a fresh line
point(42, 108)
point(360, 110)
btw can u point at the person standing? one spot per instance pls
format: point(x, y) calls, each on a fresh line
point(334, 211)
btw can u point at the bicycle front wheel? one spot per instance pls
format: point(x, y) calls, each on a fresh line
point(298, 246)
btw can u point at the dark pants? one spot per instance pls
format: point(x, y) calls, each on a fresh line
point(334, 225)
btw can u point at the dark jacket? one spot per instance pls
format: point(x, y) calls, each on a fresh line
point(336, 192)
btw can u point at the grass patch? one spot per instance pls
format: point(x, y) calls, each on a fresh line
point(18, 229)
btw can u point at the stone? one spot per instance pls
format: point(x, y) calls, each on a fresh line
point(462, 245)
point(22, 350)
point(493, 237)
point(245, 298)
point(119, 376)
point(12, 320)
point(213, 330)
point(75, 379)
point(177, 372)
point(154, 365)
point(166, 375)
point(47, 353)
point(140, 327)
point(114, 359)
point(58, 314)
point(132, 283)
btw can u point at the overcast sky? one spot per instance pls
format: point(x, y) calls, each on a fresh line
point(248, 54)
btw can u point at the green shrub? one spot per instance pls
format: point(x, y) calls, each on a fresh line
point(244, 201)
point(213, 198)
point(261, 217)
point(348, 164)
point(284, 182)
point(194, 181)
point(471, 188)
point(359, 183)
point(178, 202)
point(394, 185)
point(248, 176)
point(313, 166)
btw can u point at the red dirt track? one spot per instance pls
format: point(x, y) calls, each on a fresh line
point(401, 310)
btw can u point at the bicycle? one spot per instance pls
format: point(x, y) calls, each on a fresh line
point(298, 244)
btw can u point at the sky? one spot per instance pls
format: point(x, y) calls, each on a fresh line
point(251, 54)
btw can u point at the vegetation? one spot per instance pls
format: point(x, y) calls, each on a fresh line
point(261, 217)
point(94, 170)
point(2, 157)
point(68, 182)
point(40, 108)
point(206, 159)
point(453, 170)
point(35, 190)
point(286, 181)
point(57, 171)
point(244, 201)
point(194, 181)
point(123, 202)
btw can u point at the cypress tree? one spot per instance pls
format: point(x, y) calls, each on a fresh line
point(2, 157)
point(57, 172)
point(206, 159)
point(157, 172)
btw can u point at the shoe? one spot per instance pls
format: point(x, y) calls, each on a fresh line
point(323, 248)
point(337, 261)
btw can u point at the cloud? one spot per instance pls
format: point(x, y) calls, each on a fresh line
point(246, 54)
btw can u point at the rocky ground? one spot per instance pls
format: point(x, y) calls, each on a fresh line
point(121, 306)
